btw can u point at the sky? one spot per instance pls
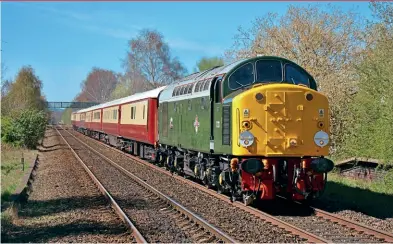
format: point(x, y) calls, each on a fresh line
point(63, 41)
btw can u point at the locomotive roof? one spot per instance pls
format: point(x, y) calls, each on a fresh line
point(190, 81)
point(166, 94)
point(138, 96)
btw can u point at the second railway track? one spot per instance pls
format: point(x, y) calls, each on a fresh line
point(321, 226)
point(158, 217)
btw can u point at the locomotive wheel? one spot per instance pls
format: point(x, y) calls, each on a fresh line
point(169, 163)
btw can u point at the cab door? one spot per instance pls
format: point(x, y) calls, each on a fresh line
point(215, 100)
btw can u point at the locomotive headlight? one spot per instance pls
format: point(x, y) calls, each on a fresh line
point(246, 139)
point(321, 138)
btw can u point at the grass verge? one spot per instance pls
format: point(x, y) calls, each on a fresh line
point(369, 197)
point(11, 168)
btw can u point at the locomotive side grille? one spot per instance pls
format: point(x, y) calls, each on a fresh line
point(226, 125)
point(165, 119)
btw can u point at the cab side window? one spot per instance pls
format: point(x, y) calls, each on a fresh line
point(242, 77)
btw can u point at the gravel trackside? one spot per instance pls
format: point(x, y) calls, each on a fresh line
point(65, 205)
point(237, 223)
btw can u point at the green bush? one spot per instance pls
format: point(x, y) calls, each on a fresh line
point(7, 132)
point(25, 128)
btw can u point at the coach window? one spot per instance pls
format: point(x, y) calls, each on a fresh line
point(269, 71)
point(143, 115)
point(243, 76)
point(133, 112)
point(295, 76)
point(114, 114)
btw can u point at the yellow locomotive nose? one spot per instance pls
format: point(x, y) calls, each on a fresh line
point(281, 119)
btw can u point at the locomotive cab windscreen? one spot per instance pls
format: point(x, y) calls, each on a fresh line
point(274, 113)
point(267, 71)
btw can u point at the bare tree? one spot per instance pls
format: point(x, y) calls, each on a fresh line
point(130, 84)
point(326, 43)
point(98, 86)
point(5, 84)
point(150, 56)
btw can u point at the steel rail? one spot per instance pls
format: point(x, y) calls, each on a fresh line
point(135, 232)
point(388, 237)
point(262, 215)
point(207, 226)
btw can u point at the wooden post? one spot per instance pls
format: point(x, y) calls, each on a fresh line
point(22, 161)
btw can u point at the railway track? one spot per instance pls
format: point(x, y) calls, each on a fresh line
point(317, 221)
point(135, 232)
point(381, 236)
point(195, 228)
point(319, 227)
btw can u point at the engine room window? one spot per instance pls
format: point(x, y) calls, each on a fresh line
point(244, 76)
point(183, 89)
point(269, 70)
point(198, 85)
point(295, 76)
point(206, 86)
point(178, 91)
point(190, 88)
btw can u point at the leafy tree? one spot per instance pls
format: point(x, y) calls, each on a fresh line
point(98, 86)
point(149, 56)
point(66, 116)
point(25, 129)
point(371, 130)
point(24, 93)
point(208, 63)
point(326, 43)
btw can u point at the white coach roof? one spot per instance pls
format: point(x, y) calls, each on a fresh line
point(143, 95)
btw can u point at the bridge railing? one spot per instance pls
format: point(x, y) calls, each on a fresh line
point(70, 104)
